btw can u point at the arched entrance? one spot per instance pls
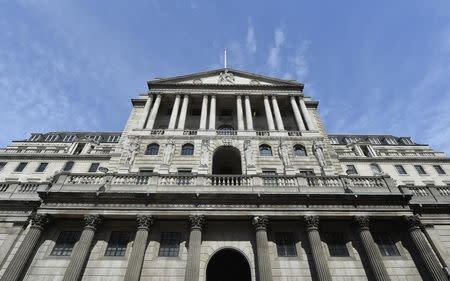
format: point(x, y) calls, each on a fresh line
point(228, 265)
point(227, 161)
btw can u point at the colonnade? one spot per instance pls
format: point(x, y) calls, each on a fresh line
point(244, 113)
point(80, 253)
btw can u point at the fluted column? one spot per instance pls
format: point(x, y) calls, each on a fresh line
point(81, 250)
point(315, 243)
point(204, 113)
point(297, 115)
point(183, 112)
point(153, 113)
point(371, 250)
point(147, 107)
point(174, 114)
point(425, 252)
point(248, 114)
point(212, 113)
point(262, 248)
point(134, 266)
point(195, 242)
point(276, 111)
point(17, 265)
point(240, 113)
point(269, 117)
point(306, 115)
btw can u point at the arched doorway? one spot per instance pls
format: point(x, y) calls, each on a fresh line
point(226, 265)
point(227, 161)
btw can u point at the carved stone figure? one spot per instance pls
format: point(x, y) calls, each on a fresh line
point(226, 77)
point(133, 149)
point(248, 153)
point(205, 153)
point(318, 152)
point(168, 151)
point(284, 154)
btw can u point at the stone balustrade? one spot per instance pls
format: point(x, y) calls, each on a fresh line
point(428, 194)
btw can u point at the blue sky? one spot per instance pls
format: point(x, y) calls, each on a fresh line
point(379, 67)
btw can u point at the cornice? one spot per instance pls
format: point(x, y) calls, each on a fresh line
point(418, 159)
point(13, 156)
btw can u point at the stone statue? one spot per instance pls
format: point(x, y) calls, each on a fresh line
point(248, 153)
point(168, 151)
point(133, 149)
point(318, 152)
point(205, 153)
point(226, 77)
point(284, 154)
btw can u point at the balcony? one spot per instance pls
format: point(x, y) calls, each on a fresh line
point(428, 195)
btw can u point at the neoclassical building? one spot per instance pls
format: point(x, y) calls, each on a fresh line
point(223, 175)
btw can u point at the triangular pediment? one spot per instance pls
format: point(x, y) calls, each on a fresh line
point(225, 76)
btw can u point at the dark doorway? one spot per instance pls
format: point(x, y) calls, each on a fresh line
point(226, 265)
point(227, 161)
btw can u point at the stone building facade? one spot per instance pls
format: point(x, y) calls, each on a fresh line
point(223, 175)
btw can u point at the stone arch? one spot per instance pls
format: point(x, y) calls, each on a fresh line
point(228, 263)
point(227, 159)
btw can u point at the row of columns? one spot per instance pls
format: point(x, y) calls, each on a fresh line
point(302, 115)
point(80, 253)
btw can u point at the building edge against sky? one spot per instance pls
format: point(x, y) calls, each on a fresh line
point(244, 161)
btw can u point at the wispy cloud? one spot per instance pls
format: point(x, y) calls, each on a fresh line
point(251, 41)
point(274, 53)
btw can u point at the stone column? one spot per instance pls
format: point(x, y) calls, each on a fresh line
point(183, 112)
point(240, 113)
point(153, 113)
point(306, 115)
point(297, 115)
point(371, 250)
point(425, 252)
point(315, 243)
point(134, 266)
point(262, 248)
point(18, 263)
point(147, 107)
point(204, 113)
point(269, 117)
point(276, 111)
point(212, 113)
point(81, 250)
point(195, 242)
point(174, 114)
point(248, 114)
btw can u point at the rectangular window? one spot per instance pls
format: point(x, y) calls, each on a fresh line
point(438, 169)
point(65, 243)
point(336, 244)
point(268, 172)
point(170, 244)
point(420, 169)
point(68, 166)
point(285, 244)
point(400, 169)
point(386, 244)
point(351, 170)
point(20, 167)
point(42, 166)
point(306, 172)
point(117, 244)
point(375, 169)
point(2, 165)
point(79, 148)
point(94, 167)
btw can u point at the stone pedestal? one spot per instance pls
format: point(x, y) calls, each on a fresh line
point(195, 242)
point(134, 266)
point(81, 251)
point(426, 253)
point(262, 248)
point(18, 263)
point(371, 250)
point(315, 243)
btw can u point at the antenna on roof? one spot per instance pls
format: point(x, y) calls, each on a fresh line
point(225, 58)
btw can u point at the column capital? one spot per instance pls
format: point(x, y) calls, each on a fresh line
point(362, 222)
point(413, 222)
point(197, 222)
point(144, 222)
point(92, 221)
point(38, 220)
point(260, 222)
point(312, 222)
